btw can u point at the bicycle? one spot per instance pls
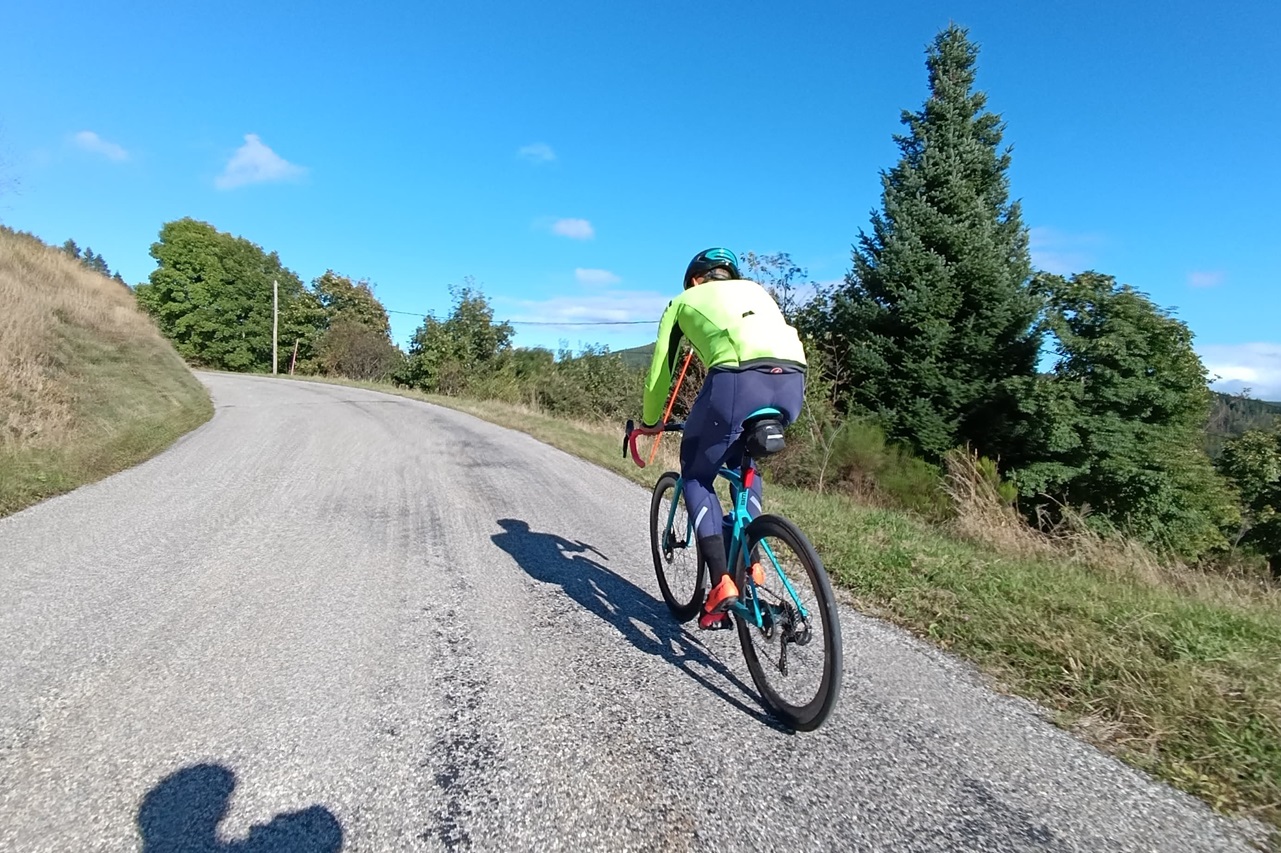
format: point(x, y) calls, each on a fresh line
point(776, 623)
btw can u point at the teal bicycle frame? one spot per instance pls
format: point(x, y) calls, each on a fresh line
point(740, 492)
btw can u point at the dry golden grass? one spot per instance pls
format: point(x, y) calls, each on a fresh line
point(87, 383)
point(43, 290)
point(982, 516)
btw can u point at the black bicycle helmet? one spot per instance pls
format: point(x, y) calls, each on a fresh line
point(708, 260)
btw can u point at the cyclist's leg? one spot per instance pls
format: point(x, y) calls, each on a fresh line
point(703, 448)
point(712, 433)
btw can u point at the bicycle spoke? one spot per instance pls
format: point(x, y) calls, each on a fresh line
point(675, 554)
point(798, 668)
point(794, 655)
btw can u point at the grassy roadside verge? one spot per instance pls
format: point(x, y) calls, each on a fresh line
point(1181, 678)
point(125, 413)
point(88, 387)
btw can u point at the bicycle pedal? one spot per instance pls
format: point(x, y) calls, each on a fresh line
point(723, 624)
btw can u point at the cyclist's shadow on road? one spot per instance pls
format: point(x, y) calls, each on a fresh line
point(555, 559)
point(182, 812)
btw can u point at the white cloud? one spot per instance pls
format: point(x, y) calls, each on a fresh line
point(1203, 278)
point(575, 229)
point(1236, 366)
point(255, 163)
point(595, 277)
point(89, 141)
point(609, 306)
point(539, 152)
point(1061, 252)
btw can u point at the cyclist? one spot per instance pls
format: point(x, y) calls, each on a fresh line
point(754, 360)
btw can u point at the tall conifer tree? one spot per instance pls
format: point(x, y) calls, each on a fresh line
point(935, 323)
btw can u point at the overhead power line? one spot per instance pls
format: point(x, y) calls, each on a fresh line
point(583, 323)
point(548, 322)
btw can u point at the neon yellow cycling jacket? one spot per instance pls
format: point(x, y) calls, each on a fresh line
point(731, 325)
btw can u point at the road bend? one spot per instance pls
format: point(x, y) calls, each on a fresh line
point(336, 619)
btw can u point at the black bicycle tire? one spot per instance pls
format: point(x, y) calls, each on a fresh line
point(810, 716)
point(682, 610)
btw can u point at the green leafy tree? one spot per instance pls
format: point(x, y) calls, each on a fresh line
point(1118, 424)
point(781, 276)
point(343, 298)
point(356, 341)
point(1252, 463)
point(935, 324)
point(444, 355)
point(211, 294)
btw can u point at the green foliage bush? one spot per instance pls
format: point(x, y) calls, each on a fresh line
point(828, 450)
point(353, 349)
point(446, 356)
point(594, 383)
point(467, 353)
point(1119, 423)
point(1252, 464)
point(854, 457)
point(354, 301)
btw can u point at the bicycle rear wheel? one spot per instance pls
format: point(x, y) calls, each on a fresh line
point(795, 659)
point(680, 571)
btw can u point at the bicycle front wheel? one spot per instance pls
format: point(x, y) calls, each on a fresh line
point(680, 572)
point(795, 654)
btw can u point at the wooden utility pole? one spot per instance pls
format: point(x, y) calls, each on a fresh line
point(293, 360)
point(275, 321)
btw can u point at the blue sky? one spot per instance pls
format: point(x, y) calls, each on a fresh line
point(572, 156)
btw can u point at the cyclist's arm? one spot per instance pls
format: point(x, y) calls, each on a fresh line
point(666, 351)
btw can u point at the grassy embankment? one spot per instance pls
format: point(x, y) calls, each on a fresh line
point(1174, 671)
point(87, 384)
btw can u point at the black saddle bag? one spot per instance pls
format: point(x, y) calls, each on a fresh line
point(763, 437)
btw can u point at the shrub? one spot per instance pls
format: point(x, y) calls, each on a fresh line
point(353, 349)
point(853, 456)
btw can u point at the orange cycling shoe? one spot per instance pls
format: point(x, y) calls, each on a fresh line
point(722, 597)
point(758, 574)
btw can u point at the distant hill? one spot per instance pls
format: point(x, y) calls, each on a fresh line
point(1233, 416)
point(637, 356)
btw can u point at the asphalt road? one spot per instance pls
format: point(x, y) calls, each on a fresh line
point(334, 619)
